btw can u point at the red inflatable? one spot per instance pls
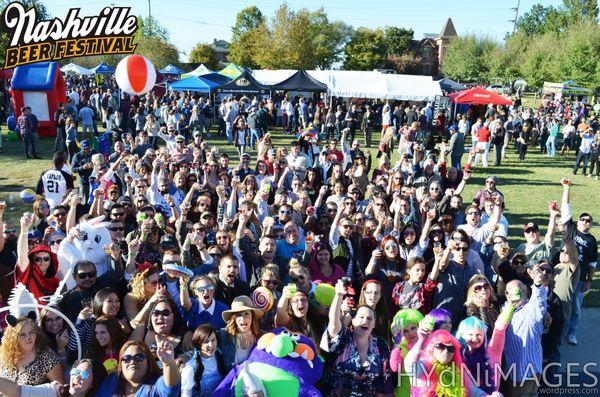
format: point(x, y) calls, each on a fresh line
point(40, 86)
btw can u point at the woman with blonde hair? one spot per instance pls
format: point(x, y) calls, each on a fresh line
point(144, 288)
point(241, 332)
point(481, 302)
point(25, 356)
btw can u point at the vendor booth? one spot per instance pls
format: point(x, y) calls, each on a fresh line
point(566, 88)
point(103, 69)
point(42, 87)
point(171, 70)
point(199, 71)
point(479, 96)
point(300, 81)
point(232, 71)
point(73, 68)
point(244, 84)
point(196, 84)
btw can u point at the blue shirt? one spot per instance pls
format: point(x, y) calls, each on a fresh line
point(286, 251)
point(523, 343)
point(109, 388)
point(87, 116)
point(195, 317)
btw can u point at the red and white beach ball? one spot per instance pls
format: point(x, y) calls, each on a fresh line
point(135, 74)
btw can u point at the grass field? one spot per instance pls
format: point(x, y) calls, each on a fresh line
point(527, 186)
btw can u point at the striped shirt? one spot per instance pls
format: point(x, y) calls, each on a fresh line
point(523, 344)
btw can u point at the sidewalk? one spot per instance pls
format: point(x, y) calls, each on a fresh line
point(588, 336)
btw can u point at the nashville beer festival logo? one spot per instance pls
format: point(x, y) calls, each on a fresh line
point(110, 32)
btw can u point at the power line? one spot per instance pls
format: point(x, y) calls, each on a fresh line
point(516, 10)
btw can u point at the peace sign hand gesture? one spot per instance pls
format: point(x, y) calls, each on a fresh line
point(165, 351)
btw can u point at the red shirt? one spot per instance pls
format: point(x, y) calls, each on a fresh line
point(483, 134)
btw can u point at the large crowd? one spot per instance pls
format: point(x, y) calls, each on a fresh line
point(177, 268)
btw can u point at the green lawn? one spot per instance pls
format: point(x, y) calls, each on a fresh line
point(526, 186)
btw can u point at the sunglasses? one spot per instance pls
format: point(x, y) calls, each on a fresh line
point(40, 260)
point(348, 226)
point(448, 348)
point(463, 249)
point(84, 275)
point(285, 212)
point(59, 214)
point(297, 278)
point(331, 209)
point(530, 231)
point(270, 282)
point(481, 287)
point(84, 375)
point(199, 230)
point(164, 313)
point(138, 358)
point(116, 229)
point(545, 270)
point(9, 231)
point(208, 288)
point(117, 213)
point(472, 213)
point(586, 220)
point(57, 242)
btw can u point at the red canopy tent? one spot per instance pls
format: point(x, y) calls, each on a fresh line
point(479, 96)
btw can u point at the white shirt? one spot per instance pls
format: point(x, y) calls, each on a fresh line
point(55, 186)
point(210, 309)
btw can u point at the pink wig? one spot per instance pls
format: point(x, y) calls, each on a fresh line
point(445, 337)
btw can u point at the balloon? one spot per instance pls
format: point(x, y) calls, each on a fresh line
point(324, 294)
point(27, 195)
point(11, 122)
point(135, 74)
point(263, 299)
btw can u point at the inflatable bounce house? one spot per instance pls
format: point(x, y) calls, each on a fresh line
point(41, 87)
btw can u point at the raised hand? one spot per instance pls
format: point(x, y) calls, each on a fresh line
point(165, 351)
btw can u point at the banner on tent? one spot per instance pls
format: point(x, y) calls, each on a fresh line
point(440, 103)
point(33, 40)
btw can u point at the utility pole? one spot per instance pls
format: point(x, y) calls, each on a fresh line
point(150, 18)
point(514, 21)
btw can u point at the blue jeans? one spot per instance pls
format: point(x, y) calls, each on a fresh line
point(229, 133)
point(551, 146)
point(254, 134)
point(571, 324)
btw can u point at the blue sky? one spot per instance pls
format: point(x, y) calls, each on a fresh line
point(192, 21)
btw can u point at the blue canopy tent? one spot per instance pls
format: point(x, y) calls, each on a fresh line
point(103, 69)
point(171, 69)
point(194, 83)
point(216, 78)
point(450, 85)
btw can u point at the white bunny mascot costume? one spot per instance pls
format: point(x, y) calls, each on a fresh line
point(89, 239)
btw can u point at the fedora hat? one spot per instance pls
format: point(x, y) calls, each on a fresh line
point(241, 304)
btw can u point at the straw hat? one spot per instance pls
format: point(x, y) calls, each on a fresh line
point(241, 304)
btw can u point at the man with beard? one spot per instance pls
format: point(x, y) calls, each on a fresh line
point(87, 284)
point(229, 285)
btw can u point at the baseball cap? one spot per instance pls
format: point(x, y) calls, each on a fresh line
point(179, 138)
point(271, 152)
point(86, 144)
point(531, 225)
point(197, 133)
point(206, 213)
point(246, 156)
point(168, 241)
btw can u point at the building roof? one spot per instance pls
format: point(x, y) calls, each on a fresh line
point(220, 45)
point(448, 29)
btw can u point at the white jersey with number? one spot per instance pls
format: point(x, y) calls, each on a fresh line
point(55, 186)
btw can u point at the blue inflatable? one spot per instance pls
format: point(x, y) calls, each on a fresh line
point(11, 122)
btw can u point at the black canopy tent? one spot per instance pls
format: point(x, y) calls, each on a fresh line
point(243, 84)
point(300, 81)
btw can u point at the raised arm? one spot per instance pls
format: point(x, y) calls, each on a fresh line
point(549, 238)
point(335, 311)
point(184, 294)
point(165, 352)
point(22, 243)
point(282, 318)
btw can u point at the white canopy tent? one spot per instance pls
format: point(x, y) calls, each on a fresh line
point(76, 69)
point(363, 84)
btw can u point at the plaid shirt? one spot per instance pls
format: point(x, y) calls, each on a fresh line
point(25, 124)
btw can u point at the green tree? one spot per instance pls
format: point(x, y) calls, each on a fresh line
point(581, 10)
point(204, 53)
point(465, 60)
point(366, 50)
point(397, 39)
point(328, 38)
point(247, 20)
point(540, 19)
point(160, 52)
point(580, 55)
point(242, 48)
point(150, 27)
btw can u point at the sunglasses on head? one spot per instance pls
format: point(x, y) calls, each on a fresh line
point(138, 358)
point(83, 374)
point(84, 275)
point(448, 348)
point(42, 259)
point(164, 313)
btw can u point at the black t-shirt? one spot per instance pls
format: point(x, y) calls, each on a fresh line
point(587, 248)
